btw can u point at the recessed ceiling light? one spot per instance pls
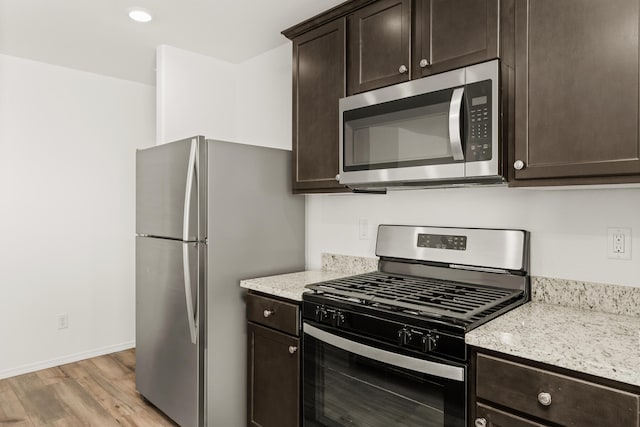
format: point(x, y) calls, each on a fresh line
point(140, 15)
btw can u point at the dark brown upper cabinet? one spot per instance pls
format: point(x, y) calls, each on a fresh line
point(379, 36)
point(449, 34)
point(392, 41)
point(318, 84)
point(577, 92)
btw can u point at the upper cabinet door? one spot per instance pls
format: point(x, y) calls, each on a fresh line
point(379, 37)
point(576, 89)
point(318, 84)
point(449, 34)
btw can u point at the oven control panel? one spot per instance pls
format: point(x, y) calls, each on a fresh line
point(414, 338)
point(441, 241)
point(426, 340)
point(479, 131)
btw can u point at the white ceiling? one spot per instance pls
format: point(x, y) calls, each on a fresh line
point(98, 36)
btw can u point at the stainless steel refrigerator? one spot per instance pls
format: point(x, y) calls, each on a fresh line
point(208, 214)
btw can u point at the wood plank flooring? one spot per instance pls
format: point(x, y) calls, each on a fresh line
point(93, 392)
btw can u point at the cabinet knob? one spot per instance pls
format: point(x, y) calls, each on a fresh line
point(518, 165)
point(423, 63)
point(481, 422)
point(544, 399)
point(338, 177)
point(268, 313)
point(292, 349)
point(403, 69)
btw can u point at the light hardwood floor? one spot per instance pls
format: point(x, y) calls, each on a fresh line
point(94, 392)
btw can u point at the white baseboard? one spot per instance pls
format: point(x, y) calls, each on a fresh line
point(32, 367)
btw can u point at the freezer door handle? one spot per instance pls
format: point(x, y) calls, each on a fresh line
point(191, 169)
point(193, 328)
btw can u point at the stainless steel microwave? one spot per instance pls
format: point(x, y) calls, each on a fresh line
point(437, 130)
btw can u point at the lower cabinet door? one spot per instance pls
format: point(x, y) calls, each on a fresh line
point(273, 378)
point(487, 416)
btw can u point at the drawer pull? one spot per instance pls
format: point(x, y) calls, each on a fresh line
point(292, 349)
point(268, 313)
point(481, 422)
point(544, 399)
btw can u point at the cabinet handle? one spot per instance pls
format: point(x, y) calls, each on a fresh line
point(292, 349)
point(544, 399)
point(481, 422)
point(338, 177)
point(403, 69)
point(423, 63)
point(268, 313)
point(518, 165)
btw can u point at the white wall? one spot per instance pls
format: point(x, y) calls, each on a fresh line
point(67, 182)
point(248, 103)
point(568, 227)
point(196, 96)
point(264, 99)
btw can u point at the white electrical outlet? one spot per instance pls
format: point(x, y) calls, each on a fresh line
point(363, 229)
point(63, 321)
point(619, 243)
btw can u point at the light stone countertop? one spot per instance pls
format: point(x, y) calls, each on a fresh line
point(601, 344)
point(290, 286)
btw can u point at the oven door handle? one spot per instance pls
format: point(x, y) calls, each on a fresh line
point(439, 370)
point(455, 116)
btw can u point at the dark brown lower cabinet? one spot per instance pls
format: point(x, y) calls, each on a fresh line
point(496, 418)
point(514, 393)
point(273, 369)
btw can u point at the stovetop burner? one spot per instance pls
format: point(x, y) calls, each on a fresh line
point(417, 295)
point(433, 285)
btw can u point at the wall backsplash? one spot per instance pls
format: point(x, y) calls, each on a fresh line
point(568, 227)
point(586, 295)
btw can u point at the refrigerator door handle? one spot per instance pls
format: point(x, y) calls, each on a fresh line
point(193, 328)
point(187, 192)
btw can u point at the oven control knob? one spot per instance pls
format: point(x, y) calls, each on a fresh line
point(321, 314)
point(337, 319)
point(429, 342)
point(404, 336)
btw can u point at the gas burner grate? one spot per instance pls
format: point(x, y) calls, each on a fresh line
point(424, 296)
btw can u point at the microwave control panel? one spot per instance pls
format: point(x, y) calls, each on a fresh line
point(478, 97)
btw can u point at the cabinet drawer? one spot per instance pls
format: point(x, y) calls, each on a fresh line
point(574, 403)
point(273, 313)
point(496, 418)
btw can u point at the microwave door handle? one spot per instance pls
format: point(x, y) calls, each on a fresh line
point(455, 117)
point(428, 367)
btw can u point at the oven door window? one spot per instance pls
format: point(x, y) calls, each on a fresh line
point(342, 388)
point(409, 132)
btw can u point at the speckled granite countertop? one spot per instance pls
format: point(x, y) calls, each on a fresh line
point(601, 344)
point(290, 286)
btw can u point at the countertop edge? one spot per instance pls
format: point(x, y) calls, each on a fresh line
point(513, 334)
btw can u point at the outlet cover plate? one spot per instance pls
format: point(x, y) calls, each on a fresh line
point(613, 247)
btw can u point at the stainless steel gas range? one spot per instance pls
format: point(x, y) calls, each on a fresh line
point(387, 348)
